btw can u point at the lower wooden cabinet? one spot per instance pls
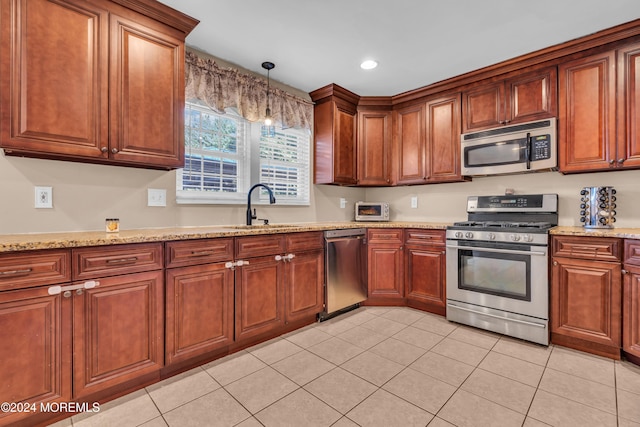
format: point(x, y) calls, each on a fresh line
point(199, 311)
point(385, 264)
point(118, 331)
point(304, 278)
point(631, 312)
point(425, 270)
point(259, 298)
point(586, 305)
point(35, 332)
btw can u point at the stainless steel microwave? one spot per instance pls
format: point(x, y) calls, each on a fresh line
point(525, 147)
point(372, 211)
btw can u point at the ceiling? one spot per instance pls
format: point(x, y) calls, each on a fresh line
point(416, 42)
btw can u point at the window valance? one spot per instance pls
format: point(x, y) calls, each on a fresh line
point(221, 88)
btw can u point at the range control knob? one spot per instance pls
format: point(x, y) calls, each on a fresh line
point(515, 237)
point(468, 235)
point(491, 236)
point(527, 238)
point(458, 234)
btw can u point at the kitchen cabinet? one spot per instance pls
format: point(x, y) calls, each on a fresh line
point(385, 263)
point(425, 270)
point(598, 113)
point(118, 325)
point(35, 329)
point(304, 276)
point(335, 121)
point(516, 98)
point(586, 294)
point(103, 85)
point(631, 301)
point(199, 298)
point(374, 146)
point(427, 141)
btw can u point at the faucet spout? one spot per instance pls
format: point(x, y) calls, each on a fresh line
point(252, 215)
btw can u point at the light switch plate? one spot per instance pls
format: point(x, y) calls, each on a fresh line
point(414, 202)
point(343, 203)
point(156, 197)
point(44, 197)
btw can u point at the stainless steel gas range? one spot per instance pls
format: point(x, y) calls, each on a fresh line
point(497, 265)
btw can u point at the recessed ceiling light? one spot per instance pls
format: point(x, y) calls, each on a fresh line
point(369, 64)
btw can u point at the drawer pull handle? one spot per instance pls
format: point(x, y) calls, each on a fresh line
point(16, 272)
point(56, 290)
point(201, 253)
point(122, 260)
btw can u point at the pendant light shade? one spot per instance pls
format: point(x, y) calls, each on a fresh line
point(268, 129)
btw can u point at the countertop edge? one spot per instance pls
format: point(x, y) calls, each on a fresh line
point(76, 239)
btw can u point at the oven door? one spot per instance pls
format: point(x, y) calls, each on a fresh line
point(502, 276)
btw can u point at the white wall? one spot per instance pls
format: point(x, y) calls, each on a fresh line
point(447, 202)
point(85, 194)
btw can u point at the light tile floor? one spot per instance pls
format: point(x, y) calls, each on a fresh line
point(382, 366)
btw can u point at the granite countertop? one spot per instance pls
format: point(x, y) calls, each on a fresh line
point(624, 233)
point(35, 241)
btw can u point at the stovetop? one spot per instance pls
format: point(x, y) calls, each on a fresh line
point(514, 226)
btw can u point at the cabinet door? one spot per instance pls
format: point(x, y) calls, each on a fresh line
point(374, 148)
point(483, 107)
point(631, 311)
point(586, 305)
point(304, 285)
point(532, 96)
point(385, 271)
point(443, 139)
point(53, 91)
point(344, 151)
point(259, 297)
point(410, 145)
point(628, 153)
point(146, 92)
point(587, 113)
point(425, 278)
point(118, 330)
point(35, 332)
point(199, 310)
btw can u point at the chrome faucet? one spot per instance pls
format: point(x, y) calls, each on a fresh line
point(252, 215)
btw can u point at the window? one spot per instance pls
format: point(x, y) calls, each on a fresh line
point(219, 167)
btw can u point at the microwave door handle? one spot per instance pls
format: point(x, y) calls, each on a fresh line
point(528, 151)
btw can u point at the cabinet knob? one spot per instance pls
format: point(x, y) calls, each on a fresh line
point(621, 161)
point(623, 271)
point(114, 150)
point(555, 262)
point(104, 149)
point(611, 161)
point(66, 294)
point(507, 121)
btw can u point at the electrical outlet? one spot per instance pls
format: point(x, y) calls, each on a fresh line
point(156, 197)
point(44, 197)
point(343, 203)
point(414, 202)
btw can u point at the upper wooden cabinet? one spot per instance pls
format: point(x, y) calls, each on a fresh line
point(335, 135)
point(427, 141)
point(517, 99)
point(105, 84)
point(599, 117)
point(374, 146)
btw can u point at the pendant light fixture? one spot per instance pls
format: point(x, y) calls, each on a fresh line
point(268, 129)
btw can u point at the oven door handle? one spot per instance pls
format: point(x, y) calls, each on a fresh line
point(537, 325)
point(500, 251)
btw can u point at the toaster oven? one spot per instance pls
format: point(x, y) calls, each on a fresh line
point(372, 211)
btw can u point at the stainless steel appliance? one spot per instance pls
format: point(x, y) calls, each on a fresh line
point(497, 265)
point(345, 270)
point(524, 147)
point(597, 207)
point(372, 211)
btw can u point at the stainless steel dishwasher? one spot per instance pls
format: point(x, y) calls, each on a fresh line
point(345, 271)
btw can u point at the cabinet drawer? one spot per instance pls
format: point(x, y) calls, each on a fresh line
point(297, 242)
point(89, 263)
point(193, 252)
point(37, 268)
point(632, 252)
point(424, 237)
point(385, 235)
point(600, 248)
point(252, 246)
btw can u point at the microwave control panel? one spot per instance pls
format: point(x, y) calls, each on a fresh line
point(540, 147)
